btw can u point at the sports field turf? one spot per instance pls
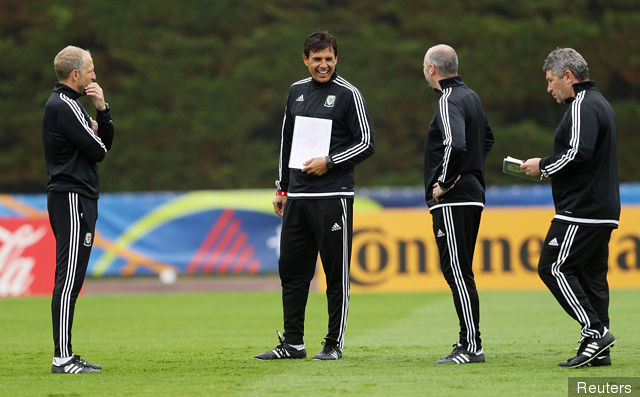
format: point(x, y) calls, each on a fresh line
point(203, 344)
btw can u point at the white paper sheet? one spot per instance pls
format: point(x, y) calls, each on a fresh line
point(311, 138)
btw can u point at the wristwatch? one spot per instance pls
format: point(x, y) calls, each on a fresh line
point(106, 108)
point(329, 161)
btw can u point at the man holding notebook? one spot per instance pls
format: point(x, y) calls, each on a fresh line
point(584, 171)
point(315, 196)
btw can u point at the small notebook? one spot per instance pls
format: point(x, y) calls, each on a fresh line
point(511, 166)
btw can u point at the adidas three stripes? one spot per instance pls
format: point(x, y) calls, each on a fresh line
point(309, 227)
point(573, 265)
point(456, 231)
point(73, 220)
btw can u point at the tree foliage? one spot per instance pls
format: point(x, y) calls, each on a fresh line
point(197, 88)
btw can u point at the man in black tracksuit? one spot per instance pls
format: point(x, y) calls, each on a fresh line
point(316, 201)
point(73, 144)
point(574, 259)
point(458, 141)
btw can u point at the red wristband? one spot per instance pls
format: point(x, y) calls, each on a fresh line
point(280, 193)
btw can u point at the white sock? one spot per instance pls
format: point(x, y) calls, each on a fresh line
point(59, 361)
point(298, 347)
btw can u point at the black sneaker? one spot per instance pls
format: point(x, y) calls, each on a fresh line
point(330, 351)
point(74, 366)
point(590, 349)
point(282, 351)
point(603, 360)
point(583, 344)
point(87, 363)
point(460, 355)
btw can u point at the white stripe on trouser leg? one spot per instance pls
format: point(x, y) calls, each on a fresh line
point(568, 294)
point(72, 260)
point(345, 274)
point(65, 299)
point(463, 293)
point(563, 285)
point(458, 278)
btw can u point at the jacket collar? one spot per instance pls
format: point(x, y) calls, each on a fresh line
point(68, 91)
point(449, 82)
point(579, 87)
point(319, 84)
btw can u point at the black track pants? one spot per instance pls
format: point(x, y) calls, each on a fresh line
point(574, 264)
point(456, 231)
point(309, 227)
point(73, 220)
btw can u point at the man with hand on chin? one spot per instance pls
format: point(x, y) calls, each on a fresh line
point(73, 144)
point(316, 201)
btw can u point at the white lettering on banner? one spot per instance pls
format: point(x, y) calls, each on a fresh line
point(15, 270)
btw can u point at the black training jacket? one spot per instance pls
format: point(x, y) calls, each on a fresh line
point(351, 137)
point(71, 150)
point(584, 163)
point(458, 141)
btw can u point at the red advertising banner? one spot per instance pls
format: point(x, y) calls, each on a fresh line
point(27, 257)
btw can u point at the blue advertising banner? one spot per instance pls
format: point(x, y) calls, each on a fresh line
point(197, 232)
point(206, 232)
point(201, 232)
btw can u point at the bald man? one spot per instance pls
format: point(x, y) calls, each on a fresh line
point(458, 141)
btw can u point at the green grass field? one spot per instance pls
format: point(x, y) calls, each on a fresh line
point(203, 344)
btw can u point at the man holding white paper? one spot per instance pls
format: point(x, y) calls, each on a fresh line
point(326, 131)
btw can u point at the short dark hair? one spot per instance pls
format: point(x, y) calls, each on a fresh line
point(319, 41)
